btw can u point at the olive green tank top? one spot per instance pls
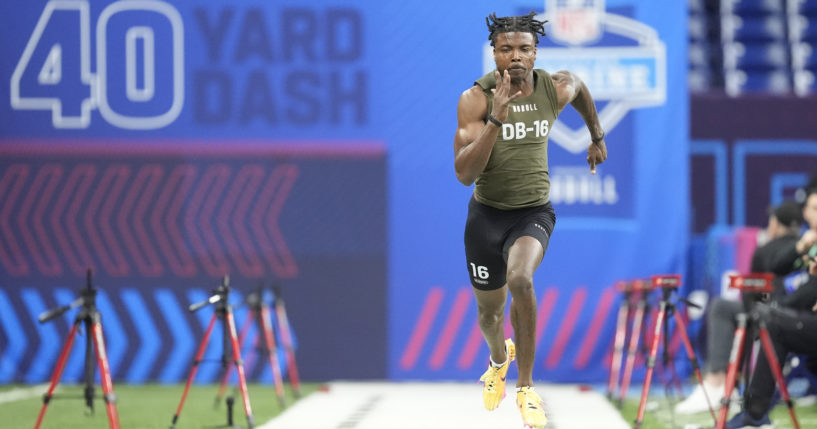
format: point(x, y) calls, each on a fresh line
point(516, 175)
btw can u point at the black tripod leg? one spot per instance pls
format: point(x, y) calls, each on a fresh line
point(89, 390)
point(225, 377)
point(666, 370)
point(774, 364)
point(55, 377)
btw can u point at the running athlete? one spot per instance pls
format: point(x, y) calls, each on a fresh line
point(503, 123)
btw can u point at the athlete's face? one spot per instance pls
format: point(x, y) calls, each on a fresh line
point(515, 52)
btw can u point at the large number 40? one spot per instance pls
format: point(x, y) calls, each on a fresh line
point(49, 77)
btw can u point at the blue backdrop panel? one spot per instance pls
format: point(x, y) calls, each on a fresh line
point(160, 224)
point(355, 105)
point(628, 221)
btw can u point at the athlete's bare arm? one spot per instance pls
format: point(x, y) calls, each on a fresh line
point(475, 138)
point(571, 89)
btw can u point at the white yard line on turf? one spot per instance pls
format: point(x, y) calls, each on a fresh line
point(19, 393)
point(351, 405)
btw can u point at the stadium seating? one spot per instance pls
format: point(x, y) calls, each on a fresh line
point(753, 46)
point(802, 25)
point(771, 82)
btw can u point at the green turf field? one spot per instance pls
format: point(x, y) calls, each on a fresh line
point(662, 417)
point(152, 406)
point(144, 407)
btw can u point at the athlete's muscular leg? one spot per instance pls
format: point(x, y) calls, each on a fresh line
point(523, 257)
point(491, 308)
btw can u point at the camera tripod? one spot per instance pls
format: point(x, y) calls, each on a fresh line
point(258, 310)
point(667, 309)
point(89, 316)
point(758, 315)
point(223, 311)
point(641, 309)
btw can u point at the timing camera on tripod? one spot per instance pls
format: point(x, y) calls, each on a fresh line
point(258, 312)
point(261, 313)
point(90, 318)
point(668, 284)
point(755, 286)
point(223, 311)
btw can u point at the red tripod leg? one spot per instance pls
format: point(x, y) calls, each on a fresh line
point(635, 335)
point(266, 322)
point(618, 346)
point(194, 368)
point(242, 382)
point(642, 405)
point(286, 338)
point(778, 375)
point(105, 374)
point(55, 377)
point(242, 336)
point(732, 373)
point(679, 321)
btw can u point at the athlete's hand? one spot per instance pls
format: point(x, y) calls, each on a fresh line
point(503, 96)
point(596, 154)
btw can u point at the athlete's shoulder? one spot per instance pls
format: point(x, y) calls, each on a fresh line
point(546, 76)
point(542, 72)
point(487, 81)
point(473, 98)
point(549, 87)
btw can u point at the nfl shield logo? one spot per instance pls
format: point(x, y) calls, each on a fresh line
point(575, 22)
point(626, 75)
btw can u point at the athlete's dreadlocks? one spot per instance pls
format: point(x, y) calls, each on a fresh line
point(508, 24)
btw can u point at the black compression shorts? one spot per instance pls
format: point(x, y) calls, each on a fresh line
point(490, 232)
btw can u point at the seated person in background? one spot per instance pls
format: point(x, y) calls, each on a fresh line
point(782, 232)
point(791, 256)
point(791, 331)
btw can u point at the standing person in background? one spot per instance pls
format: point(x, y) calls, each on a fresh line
point(503, 122)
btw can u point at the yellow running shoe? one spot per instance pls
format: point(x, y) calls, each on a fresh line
point(530, 405)
point(493, 389)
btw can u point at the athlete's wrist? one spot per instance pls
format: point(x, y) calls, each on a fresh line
point(493, 120)
point(597, 140)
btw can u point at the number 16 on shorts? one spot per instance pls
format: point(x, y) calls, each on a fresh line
point(479, 271)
